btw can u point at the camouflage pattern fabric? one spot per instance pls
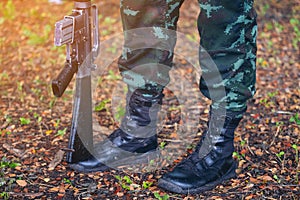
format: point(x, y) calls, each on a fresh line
point(227, 30)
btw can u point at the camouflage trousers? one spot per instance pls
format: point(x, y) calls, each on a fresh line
point(227, 31)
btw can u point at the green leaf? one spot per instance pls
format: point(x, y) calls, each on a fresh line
point(102, 105)
point(126, 187)
point(236, 155)
point(6, 163)
point(8, 132)
point(280, 154)
point(13, 165)
point(243, 142)
point(162, 145)
point(152, 162)
point(120, 113)
point(147, 184)
point(295, 147)
point(164, 197)
point(9, 11)
point(113, 76)
point(157, 195)
point(295, 119)
point(39, 119)
point(5, 195)
point(276, 178)
point(24, 121)
point(118, 177)
point(61, 132)
point(127, 179)
point(67, 181)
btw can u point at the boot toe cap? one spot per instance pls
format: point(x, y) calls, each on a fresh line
point(89, 165)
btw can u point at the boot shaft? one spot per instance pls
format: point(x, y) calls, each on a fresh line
point(141, 114)
point(219, 137)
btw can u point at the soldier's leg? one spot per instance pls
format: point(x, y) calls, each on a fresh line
point(228, 33)
point(149, 40)
point(149, 35)
point(149, 27)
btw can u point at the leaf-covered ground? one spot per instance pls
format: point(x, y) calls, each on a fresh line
point(34, 125)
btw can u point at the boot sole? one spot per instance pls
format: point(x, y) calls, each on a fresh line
point(135, 163)
point(80, 168)
point(166, 185)
point(128, 162)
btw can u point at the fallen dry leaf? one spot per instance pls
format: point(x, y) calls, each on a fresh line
point(254, 180)
point(259, 152)
point(21, 183)
point(57, 160)
point(54, 189)
point(17, 152)
point(265, 178)
point(46, 180)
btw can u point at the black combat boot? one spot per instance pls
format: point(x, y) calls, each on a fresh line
point(211, 163)
point(135, 138)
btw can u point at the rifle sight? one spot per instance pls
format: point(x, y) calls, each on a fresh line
point(64, 31)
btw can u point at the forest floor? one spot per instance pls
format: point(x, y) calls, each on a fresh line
point(35, 125)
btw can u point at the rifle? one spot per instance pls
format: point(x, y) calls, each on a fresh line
point(79, 32)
